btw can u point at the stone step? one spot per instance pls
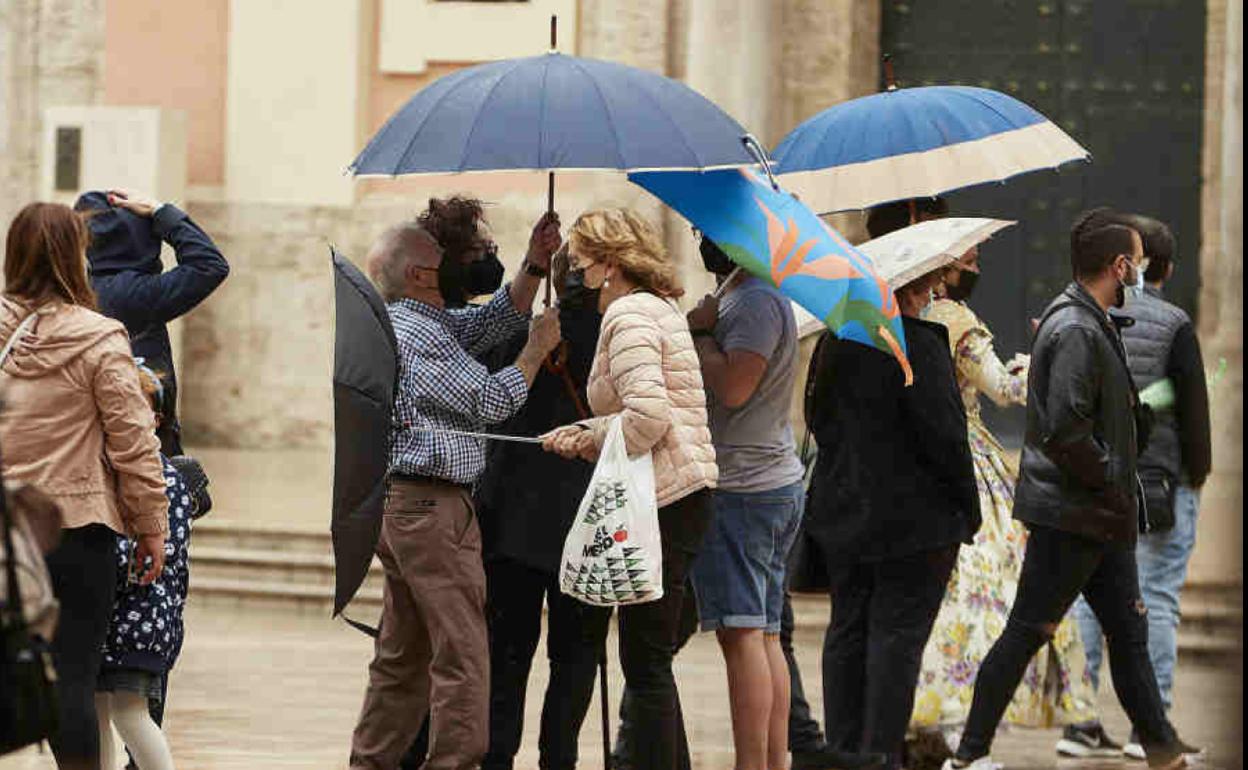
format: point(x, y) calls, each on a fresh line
point(234, 533)
point(217, 591)
point(292, 567)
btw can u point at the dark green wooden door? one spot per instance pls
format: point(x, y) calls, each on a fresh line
point(1124, 77)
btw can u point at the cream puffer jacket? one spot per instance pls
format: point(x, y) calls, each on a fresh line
point(646, 369)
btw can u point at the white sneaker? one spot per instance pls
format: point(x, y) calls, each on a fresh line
point(1134, 750)
point(983, 763)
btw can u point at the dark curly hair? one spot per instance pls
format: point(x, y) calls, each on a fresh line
point(453, 223)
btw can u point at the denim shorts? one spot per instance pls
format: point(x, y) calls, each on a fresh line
point(739, 574)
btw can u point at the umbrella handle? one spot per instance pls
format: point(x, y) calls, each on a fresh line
point(890, 81)
point(754, 148)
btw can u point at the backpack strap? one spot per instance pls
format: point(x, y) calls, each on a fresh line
point(811, 391)
point(13, 604)
point(15, 336)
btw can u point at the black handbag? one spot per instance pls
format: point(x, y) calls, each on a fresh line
point(1159, 488)
point(807, 569)
point(27, 678)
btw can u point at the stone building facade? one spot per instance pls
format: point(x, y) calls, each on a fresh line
point(279, 95)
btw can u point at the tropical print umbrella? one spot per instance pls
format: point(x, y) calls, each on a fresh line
point(777, 238)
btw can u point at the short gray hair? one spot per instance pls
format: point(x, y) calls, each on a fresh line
point(394, 254)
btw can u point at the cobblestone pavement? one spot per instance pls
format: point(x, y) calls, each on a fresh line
point(257, 689)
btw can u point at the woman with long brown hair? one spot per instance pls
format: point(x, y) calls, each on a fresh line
point(77, 426)
point(647, 371)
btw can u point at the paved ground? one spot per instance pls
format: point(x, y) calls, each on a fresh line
point(276, 690)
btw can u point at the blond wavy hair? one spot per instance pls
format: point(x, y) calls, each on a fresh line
point(624, 238)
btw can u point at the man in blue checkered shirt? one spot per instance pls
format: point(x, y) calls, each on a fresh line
point(432, 652)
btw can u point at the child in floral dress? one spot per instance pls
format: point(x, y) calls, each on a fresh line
point(146, 631)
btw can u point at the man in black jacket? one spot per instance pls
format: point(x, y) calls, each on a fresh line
point(892, 497)
point(126, 273)
point(1161, 345)
point(1077, 493)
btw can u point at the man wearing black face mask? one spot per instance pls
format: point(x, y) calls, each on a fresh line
point(526, 500)
point(432, 654)
point(746, 338)
point(1078, 494)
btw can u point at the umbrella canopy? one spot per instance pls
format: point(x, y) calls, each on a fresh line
point(365, 370)
point(777, 238)
point(552, 112)
point(905, 254)
point(914, 143)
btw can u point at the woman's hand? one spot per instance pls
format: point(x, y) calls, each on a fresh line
point(568, 441)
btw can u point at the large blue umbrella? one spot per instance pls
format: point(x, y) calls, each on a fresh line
point(551, 112)
point(916, 142)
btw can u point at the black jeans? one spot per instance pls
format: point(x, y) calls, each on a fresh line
point(882, 614)
point(1056, 568)
point(804, 733)
point(625, 736)
point(648, 634)
point(574, 644)
point(84, 578)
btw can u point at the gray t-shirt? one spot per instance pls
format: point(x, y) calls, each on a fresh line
point(754, 444)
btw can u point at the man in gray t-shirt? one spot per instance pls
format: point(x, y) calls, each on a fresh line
point(747, 344)
point(754, 444)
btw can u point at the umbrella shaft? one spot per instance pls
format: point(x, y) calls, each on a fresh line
point(487, 436)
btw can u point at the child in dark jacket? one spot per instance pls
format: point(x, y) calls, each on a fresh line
point(145, 633)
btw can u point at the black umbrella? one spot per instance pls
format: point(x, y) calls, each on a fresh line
point(365, 370)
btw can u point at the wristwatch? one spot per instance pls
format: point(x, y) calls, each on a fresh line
point(695, 333)
point(534, 270)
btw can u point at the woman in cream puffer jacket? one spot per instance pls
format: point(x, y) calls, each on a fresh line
point(646, 370)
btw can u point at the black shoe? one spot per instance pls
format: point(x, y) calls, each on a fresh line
point(1192, 754)
point(1087, 740)
point(829, 758)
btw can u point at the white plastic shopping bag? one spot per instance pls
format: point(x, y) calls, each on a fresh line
point(613, 554)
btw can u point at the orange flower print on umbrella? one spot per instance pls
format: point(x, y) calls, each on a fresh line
point(777, 238)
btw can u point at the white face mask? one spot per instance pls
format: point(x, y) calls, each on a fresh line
point(927, 309)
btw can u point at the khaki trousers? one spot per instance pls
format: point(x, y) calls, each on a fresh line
point(432, 654)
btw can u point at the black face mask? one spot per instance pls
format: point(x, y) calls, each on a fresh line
point(961, 291)
point(714, 259)
point(484, 275)
point(576, 295)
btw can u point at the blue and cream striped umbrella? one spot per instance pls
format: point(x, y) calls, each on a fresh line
point(916, 142)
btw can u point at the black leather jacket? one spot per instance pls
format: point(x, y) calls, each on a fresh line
point(1078, 471)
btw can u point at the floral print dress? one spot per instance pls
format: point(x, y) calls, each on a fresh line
point(1055, 689)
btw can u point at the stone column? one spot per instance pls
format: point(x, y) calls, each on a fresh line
point(51, 55)
point(1218, 558)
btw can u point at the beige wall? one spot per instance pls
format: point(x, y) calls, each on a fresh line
point(182, 67)
point(296, 73)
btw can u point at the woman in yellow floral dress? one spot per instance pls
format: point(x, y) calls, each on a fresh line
point(1055, 689)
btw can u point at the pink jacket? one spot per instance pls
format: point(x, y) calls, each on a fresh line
point(76, 424)
point(646, 369)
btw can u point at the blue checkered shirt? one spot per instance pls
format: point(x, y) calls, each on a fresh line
point(441, 385)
